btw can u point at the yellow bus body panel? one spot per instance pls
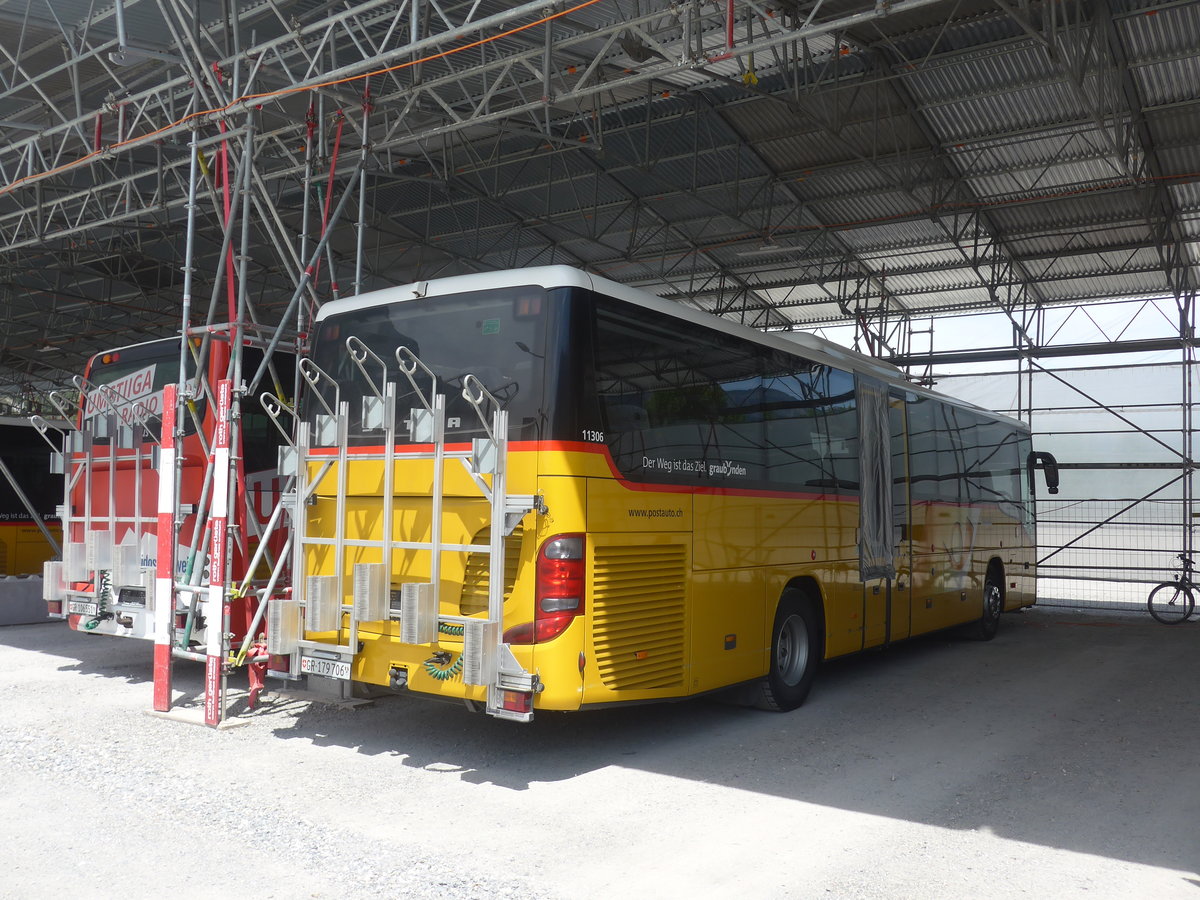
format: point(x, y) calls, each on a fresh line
point(682, 585)
point(23, 547)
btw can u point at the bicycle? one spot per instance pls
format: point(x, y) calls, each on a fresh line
point(1173, 602)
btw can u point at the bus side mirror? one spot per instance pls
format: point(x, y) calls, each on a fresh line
point(1049, 465)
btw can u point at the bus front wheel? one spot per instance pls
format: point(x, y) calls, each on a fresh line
point(795, 654)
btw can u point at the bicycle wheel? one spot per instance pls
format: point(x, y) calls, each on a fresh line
point(1170, 603)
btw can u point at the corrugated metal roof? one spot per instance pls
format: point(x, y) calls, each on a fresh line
point(795, 295)
point(1023, 108)
point(1177, 129)
point(1023, 64)
point(1171, 81)
point(813, 312)
point(908, 234)
point(1187, 197)
point(931, 139)
point(1166, 31)
point(1054, 243)
point(1045, 181)
point(1053, 146)
point(949, 279)
point(1110, 286)
point(858, 179)
point(961, 298)
point(1087, 207)
point(1098, 264)
point(864, 208)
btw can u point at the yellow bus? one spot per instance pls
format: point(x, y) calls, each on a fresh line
point(29, 496)
point(542, 490)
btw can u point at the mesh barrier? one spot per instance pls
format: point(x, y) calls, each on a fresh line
point(1106, 554)
point(1120, 432)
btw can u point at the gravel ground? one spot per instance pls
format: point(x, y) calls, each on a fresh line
point(1054, 761)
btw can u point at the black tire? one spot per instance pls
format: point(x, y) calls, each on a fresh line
point(1170, 603)
point(795, 654)
point(985, 627)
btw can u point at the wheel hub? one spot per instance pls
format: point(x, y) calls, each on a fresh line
point(792, 656)
point(993, 601)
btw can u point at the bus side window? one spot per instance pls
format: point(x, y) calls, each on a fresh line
point(950, 456)
point(680, 402)
point(922, 448)
point(812, 427)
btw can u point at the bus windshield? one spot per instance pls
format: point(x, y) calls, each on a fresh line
point(499, 336)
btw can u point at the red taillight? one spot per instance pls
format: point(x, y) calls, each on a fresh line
point(559, 591)
point(516, 701)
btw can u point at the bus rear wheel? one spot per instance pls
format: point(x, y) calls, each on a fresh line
point(795, 655)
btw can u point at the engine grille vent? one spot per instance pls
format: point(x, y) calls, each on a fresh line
point(638, 616)
point(474, 598)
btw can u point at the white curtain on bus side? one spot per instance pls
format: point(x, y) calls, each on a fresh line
point(876, 558)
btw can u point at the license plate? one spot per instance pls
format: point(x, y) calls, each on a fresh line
point(81, 608)
point(328, 668)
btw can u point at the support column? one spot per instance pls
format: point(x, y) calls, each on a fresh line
point(215, 606)
point(164, 593)
point(1187, 329)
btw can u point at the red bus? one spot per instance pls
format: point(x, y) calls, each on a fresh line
point(104, 583)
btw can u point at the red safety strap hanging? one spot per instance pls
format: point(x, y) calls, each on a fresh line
point(226, 206)
point(337, 146)
point(310, 126)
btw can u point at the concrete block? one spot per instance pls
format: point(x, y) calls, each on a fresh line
point(21, 600)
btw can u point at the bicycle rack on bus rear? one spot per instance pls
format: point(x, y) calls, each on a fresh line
point(113, 570)
point(53, 581)
point(318, 602)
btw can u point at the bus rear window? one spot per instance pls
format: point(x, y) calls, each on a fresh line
point(128, 383)
point(497, 335)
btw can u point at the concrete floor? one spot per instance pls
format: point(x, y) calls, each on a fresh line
point(1056, 760)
